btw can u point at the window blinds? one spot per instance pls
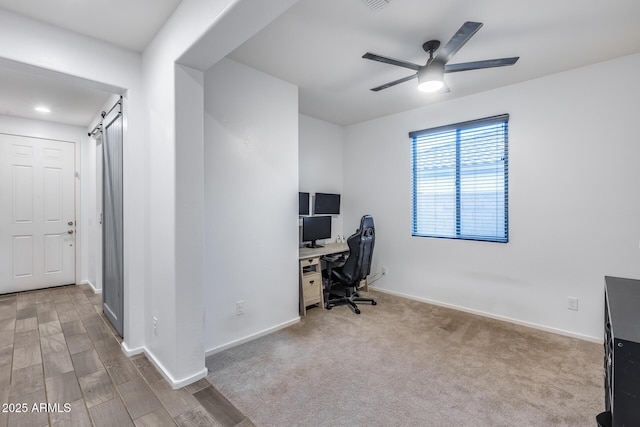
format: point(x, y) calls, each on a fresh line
point(460, 180)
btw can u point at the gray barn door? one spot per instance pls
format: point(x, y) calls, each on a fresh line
point(112, 235)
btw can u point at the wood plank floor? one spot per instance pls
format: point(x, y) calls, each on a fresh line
point(58, 349)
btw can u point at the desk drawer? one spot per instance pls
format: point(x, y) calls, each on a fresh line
point(309, 262)
point(312, 282)
point(312, 288)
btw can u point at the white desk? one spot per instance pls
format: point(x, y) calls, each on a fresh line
point(311, 289)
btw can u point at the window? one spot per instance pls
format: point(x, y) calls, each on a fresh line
point(460, 180)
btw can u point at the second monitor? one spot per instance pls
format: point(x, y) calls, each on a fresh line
point(315, 228)
point(327, 203)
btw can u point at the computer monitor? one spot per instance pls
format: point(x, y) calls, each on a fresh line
point(303, 203)
point(327, 203)
point(315, 228)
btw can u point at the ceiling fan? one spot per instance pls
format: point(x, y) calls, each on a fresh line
point(431, 75)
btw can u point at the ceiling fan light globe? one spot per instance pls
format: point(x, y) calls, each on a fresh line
point(431, 77)
point(430, 86)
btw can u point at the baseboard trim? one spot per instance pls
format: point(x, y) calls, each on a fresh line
point(130, 351)
point(175, 383)
point(191, 379)
point(251, 337)
point(598, 340)
point(93, 288)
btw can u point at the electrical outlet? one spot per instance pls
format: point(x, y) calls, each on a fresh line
point(155, 325)
point(239, 308)
point(573, 303)
point(385, 270)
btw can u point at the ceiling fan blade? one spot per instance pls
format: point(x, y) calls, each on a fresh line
point(399, 63)
point(395, 82)
point(458, 40)
point(477, 65)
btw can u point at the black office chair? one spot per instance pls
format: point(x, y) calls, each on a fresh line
point(356, 267)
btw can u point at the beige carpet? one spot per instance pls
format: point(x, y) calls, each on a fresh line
point(406, 363)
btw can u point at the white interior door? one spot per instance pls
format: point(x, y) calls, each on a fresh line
point(37, 213)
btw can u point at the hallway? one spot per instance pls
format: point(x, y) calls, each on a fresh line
point(56, 347)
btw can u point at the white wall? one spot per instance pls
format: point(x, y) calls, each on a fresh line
point(92, 250)
point(84, 190)
point(174, 300)
point(320, 156)
point(174, 265)
point(251, 184)
point(574, 200)
point(320, 161)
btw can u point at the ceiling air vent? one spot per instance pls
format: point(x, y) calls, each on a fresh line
point(376, 4)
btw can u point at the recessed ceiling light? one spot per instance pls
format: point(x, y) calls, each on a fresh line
point(42, 109)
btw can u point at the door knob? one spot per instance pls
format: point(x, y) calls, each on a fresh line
point(70, 231)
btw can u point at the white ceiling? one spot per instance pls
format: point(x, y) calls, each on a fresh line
point(70, 103)
point(131, 24)
point(125, 23)
point(317, 45)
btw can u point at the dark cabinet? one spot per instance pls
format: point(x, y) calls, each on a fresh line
point(621, 353)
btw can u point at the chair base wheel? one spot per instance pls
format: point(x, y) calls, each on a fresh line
point(350, 299)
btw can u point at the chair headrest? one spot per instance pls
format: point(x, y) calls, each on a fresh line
point(366, 224)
